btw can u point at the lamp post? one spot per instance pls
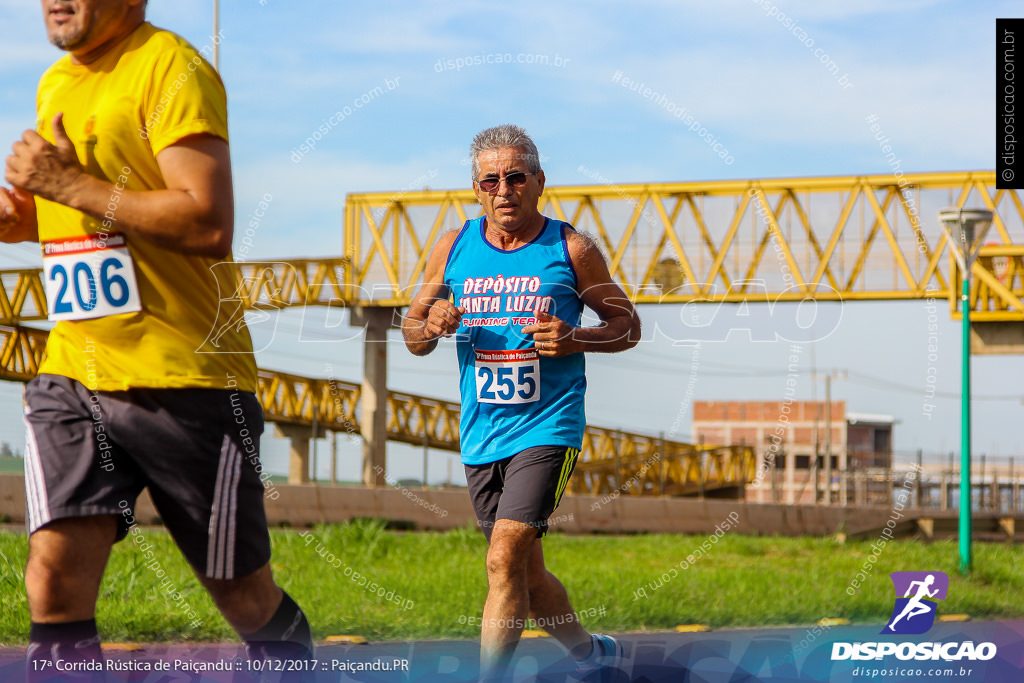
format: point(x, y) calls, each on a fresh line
point(216, 33)
point(965, 230)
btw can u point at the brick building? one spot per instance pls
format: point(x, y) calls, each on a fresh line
point(788, 434)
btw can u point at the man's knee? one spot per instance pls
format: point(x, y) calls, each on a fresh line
point(510, 548)
point(65, 566)
point(72, 547)
point(502, 562)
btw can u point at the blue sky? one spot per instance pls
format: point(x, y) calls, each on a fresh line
point(925, 68)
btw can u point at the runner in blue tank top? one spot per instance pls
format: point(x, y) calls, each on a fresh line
point(521, 399)
point(511, 285)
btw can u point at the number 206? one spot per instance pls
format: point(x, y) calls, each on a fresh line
point(82, 271)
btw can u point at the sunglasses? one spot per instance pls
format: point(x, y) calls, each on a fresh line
point(514, 179)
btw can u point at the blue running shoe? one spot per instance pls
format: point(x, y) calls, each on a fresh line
point(606, 658)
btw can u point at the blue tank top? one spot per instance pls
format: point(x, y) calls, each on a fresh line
point(512, 398)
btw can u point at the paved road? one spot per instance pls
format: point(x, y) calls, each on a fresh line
point(783, 655)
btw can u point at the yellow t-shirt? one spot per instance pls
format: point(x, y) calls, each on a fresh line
point(120, 111)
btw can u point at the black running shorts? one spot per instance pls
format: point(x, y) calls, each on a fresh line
point(525, 487)
point(196, 450)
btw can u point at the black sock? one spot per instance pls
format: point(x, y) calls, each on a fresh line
point(75, 642)
point(286, 636)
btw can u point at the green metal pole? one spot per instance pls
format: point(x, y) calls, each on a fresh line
point(965, 434)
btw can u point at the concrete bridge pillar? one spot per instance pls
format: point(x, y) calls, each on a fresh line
point(373, 402)
point(298, 459)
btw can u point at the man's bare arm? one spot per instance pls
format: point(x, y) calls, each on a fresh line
point(431, 315)
point(193, 215)
point(620, 325)
point(17, 216)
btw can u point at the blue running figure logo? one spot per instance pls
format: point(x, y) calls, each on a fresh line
point(916, 593)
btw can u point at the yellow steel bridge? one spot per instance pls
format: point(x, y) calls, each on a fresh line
point(863, 238)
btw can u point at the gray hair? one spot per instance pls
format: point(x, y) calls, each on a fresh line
point(500, 137)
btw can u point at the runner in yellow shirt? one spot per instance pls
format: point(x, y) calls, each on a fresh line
point(126, 183)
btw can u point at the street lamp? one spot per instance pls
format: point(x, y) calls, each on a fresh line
point(965, 230)
point(216, 33)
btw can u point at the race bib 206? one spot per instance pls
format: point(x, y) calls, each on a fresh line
point(89, 277)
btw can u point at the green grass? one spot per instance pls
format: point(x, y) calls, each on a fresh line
point(741, 581)
point(11, 465)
